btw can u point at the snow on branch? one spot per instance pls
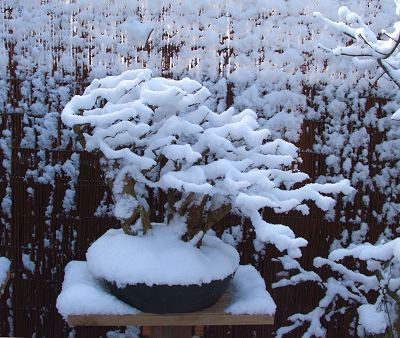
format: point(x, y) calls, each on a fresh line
point(367, 47)
point(333, 290)
point(161, 135)
point(365, 276)
point(372, 290)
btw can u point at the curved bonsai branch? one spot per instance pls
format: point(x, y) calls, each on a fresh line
point(214, 216)
point(140, 210)
point(185, 205)
point(195, 219)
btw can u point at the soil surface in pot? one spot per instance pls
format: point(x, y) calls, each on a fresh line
point(171, 298)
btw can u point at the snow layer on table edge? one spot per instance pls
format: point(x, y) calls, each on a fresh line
point(249, 294)
point(4, 268)
point(82, 294)
point(160, 257)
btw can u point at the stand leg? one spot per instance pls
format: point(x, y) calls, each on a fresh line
point(171, 332)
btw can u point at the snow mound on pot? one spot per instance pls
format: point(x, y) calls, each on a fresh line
point(160, 257)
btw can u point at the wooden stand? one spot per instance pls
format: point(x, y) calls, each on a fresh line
point(174, 325)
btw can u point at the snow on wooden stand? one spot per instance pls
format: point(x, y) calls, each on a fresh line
point(214, 315)
point(85, 302)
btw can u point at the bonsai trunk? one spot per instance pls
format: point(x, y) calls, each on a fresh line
point(140, 211)
point(201, 220)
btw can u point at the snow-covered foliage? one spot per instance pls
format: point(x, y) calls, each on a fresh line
point(262, 53)
point(368, 48)
point(158, 134)
point(371, 288)
point(129, 332)
point(4, 270)
point(366, 276)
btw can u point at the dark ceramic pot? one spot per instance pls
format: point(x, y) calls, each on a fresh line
point(171, 299)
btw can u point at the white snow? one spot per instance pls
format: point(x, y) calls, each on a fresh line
point(136, 31)
point(28, 263)
point(365, 251)
point(374, 51)
point(372, 320)
point(124, 206)
point(396, 115)
point(83, 294)
point(4, 269)
point(249, 294)
point(233, 235)
point(129, 332)
point(160, 257)
point(268, 72)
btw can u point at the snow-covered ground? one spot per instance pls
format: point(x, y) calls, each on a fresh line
point(83, 294)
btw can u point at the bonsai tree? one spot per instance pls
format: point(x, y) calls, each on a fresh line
point(157, 134)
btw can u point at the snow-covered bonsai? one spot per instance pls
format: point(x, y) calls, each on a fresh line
point(160, 139)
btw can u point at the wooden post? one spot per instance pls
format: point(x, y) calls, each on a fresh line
point(171, 332)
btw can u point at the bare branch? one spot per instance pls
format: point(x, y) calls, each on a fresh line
point(381, 58)
point(393, 49)
point(387, 71)
point(370, 46)
point(387, 35)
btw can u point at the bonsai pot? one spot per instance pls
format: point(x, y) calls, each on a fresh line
point(160, 273)
point(169, 298)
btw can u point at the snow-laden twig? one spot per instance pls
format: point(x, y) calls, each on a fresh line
point(333, 290)
point(375, 314)
point(381, 48)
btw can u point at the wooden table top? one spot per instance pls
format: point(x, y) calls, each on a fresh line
point(213, 315)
